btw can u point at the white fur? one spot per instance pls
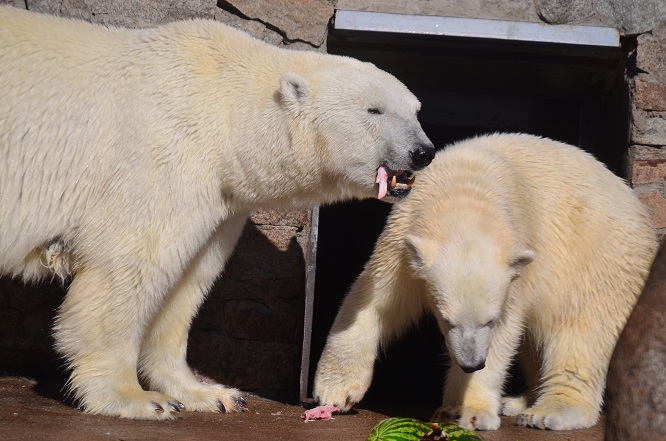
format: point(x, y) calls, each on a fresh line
point(504, 237)
point(131, 158)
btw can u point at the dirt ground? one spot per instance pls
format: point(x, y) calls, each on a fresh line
point(35, 412)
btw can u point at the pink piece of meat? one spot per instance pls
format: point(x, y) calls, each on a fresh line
point(319, 413)
point(382, 176)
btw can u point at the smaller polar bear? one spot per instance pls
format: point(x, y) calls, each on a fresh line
point(130, 159)
point(515, 243)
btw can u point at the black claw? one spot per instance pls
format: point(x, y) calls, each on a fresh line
point(221, 406)
point(158, 408)
point(180, 405)
point(240, 403)
point(174, 407)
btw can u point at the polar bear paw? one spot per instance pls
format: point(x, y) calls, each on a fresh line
point(214, 398)
point(342, 383)
point(208, 396)
point(138, 404)
point(343, 396)
point(543, 417)
point(513, 406)
point(470, 418)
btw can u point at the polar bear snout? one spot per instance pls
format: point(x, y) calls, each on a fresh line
point(468, 347)
point(422, 156)
point(477, 367)
point(471, 360)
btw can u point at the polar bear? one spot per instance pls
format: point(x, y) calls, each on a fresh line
point(131, 159)
point(516, 244)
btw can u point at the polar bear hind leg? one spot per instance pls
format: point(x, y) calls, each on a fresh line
point(88, 329)
point(110, 321)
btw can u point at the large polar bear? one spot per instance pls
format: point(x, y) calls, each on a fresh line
point(507, 239)
point(131, 159)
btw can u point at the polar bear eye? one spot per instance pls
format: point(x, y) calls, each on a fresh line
point(491, 322)
point(375, 111)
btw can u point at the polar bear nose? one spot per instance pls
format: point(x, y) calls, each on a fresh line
point(422, 156)
point(477, 367)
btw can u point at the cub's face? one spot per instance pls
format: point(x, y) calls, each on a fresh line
point(367, 129)
point(468, 284)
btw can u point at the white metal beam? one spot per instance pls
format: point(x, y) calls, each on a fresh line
point(476, 28)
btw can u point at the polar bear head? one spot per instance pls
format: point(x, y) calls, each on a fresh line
point(365, 126)
point(469, 279)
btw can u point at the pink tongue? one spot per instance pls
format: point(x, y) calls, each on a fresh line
point(382, 176)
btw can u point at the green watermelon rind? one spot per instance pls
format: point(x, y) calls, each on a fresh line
point(399, 429)
point(410, 429)
point(457, 433)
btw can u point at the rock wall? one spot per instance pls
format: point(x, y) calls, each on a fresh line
point(301, 24)
point(646, 75)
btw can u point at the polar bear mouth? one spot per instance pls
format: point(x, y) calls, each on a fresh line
point(395, 183)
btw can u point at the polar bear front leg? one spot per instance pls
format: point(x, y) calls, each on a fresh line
point(378, 307)
point(530, 366)
point(474, 401)
point(98, 330)
point(573, 378)
point(344, 371)
point(163, 354)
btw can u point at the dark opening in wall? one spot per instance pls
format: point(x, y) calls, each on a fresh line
point(467, 86)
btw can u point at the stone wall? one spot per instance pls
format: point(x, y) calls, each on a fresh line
point(646, 75)
point(301, 25)
point(249, 332)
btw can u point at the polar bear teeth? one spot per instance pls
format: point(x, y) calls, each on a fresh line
point(401, 185)
point(399, 182)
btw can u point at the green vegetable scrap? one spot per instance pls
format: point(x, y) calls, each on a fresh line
point(410, 429)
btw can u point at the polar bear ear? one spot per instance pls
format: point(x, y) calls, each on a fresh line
point(293, 88)
point(421, 250)
point(521, 259)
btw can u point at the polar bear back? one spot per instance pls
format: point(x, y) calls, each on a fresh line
point(107, 130)
point(586, 226)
